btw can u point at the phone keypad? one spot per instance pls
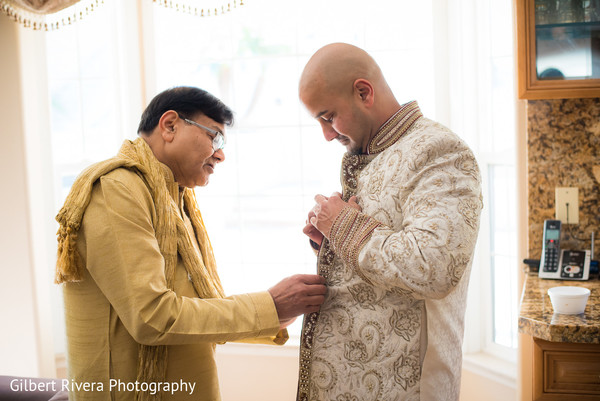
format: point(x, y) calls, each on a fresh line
point(551, 260)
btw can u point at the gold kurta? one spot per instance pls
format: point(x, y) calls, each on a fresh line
point(123, 301)
point(391, 327)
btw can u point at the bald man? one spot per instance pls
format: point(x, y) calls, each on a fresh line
point(395, 247)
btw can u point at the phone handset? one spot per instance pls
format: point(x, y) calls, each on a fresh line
point(549, 262)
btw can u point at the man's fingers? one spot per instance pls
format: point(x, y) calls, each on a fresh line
point(311, 278)
point(353, 202)
point(316, 289)
point(312, 309)
point(339, 195)
point(316, 300)
point(320, 198)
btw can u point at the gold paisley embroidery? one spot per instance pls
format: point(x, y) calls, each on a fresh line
point(407, 371)
point(343, 319)
point(467, 164)
point(346, 397)
point(405, 323)
point(325, 376)
point(421, 153)
point(364, 295)
point(324, 330)
point(423, 207)
point(375, 185)
point(469, 209)
point(355, 351)
point(367, 347)
point(372, 380)
point(457, 267)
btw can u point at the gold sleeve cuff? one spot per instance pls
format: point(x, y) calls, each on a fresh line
point(349, 232)
point(269, 321)
point(266, 313)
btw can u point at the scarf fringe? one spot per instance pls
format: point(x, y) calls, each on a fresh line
point(152, 368)
point(69, 266)
point(68, 257)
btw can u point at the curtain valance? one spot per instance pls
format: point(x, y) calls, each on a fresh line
point(52, 14)
point(201, 8)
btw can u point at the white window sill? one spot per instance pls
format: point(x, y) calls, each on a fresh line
point(492, 368)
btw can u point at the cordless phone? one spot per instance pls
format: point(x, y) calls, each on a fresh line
point(561, 264)
point(549, 262)
point(575, 265)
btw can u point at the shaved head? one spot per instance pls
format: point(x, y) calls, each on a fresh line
point(335, 67)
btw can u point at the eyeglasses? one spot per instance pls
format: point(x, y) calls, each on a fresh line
point(218, 141)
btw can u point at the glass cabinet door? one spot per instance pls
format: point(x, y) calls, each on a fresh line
point(559, 48)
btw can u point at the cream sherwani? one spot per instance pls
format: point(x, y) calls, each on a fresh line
point(391, 327)
point(123, 300)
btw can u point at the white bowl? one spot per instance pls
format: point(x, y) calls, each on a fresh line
point(568, 300)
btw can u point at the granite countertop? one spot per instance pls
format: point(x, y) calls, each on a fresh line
point(537, 317)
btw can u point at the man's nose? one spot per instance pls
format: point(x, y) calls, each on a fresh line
point(329, 133)
point(219, 155)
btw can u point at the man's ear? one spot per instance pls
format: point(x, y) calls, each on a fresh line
point(167, 125)
point(364, 90)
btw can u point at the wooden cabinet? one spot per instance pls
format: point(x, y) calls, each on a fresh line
point(565, 371)
point(558, 48)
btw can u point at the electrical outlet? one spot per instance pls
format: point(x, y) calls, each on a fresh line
point(567, 205)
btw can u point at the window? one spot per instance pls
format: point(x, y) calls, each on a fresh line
point(276, 158)
point(498, 154)
point(483, 110)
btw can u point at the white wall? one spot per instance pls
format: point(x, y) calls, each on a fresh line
point(478, 388)
point(257, 372)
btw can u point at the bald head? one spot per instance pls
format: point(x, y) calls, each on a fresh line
point(336, 66)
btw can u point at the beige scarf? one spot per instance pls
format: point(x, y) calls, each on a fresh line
point(171, 235)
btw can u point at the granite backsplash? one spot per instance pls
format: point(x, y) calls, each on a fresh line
point(563, 150)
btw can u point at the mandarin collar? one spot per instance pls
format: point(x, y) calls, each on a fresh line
point(394, 127)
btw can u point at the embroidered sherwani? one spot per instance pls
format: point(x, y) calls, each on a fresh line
point(391, 327)
point(123, 299)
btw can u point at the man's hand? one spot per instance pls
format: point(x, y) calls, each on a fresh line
point(311, 231)
point(297, 295)
point(322, 216)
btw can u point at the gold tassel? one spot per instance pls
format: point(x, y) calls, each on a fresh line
point(188, 9)
point(68, 263)
point(152, 368)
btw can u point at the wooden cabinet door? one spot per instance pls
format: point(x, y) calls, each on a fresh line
point(530, 84)
point(565, 371)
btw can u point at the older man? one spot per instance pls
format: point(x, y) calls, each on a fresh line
point(144, 306)
point(395, 247)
